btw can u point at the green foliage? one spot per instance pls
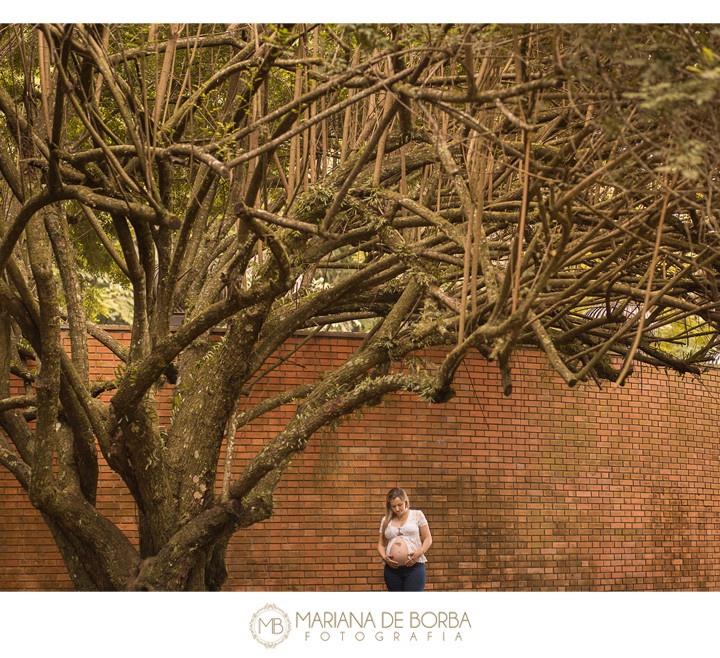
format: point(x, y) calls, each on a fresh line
point(684, 338)
point(113, 302)
point(666, 85)
point(94, 258)
point(371, 37)
point(688, 158)
point(106, 291)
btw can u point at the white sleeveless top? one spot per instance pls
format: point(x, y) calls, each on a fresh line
point(409, 531)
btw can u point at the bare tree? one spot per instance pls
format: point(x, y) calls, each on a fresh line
point(477, 187)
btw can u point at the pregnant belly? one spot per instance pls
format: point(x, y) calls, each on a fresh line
point(398, 551)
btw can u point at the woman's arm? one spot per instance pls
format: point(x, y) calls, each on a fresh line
point(426, 543)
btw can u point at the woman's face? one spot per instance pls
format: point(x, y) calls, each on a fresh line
point(397, 505)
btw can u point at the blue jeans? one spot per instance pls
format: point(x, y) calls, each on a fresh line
point(406, 579)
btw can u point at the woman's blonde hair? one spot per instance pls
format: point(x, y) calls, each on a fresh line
point(395, 492)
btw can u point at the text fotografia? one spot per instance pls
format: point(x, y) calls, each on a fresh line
point(399, 626)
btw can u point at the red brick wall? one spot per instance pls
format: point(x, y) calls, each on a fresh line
point(549, 489)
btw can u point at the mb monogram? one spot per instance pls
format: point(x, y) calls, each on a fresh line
point(270, 626)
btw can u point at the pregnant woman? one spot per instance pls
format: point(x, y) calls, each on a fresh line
point(404, 540)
